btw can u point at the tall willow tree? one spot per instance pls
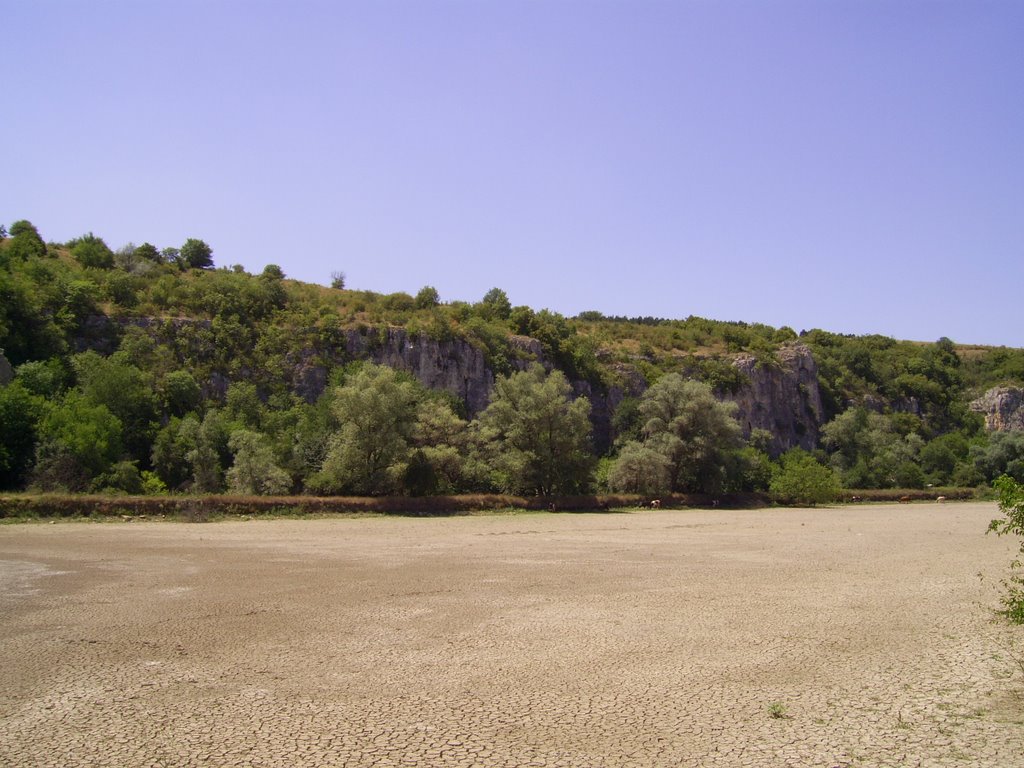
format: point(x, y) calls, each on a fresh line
point(693, 433)
point(369, 454)
point(536, 437)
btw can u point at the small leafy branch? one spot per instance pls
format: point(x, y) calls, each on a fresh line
point(1011, 504)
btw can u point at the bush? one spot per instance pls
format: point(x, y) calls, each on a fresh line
point(639, 468)
point(91, 251)
point(122, 477)
point(427, 297)
point(152, 485)
point(802, 480)
point(1011, 504)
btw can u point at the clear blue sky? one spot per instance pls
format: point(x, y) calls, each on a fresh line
point(844, 164)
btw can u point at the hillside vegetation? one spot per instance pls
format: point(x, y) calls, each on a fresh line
point(146, 370)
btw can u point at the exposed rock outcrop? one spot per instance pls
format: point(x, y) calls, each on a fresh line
point(453, 365)
point(1002, 407)
point(882, 405)
point(782, 397)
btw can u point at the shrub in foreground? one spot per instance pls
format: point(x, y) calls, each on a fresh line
point(800, 479)
point(1011, 504)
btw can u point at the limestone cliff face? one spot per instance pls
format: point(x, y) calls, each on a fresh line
point(453, 365)
point(1002, 407)
point(783, 398)
point(604, 402)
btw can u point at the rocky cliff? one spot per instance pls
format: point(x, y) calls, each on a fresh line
point(782, 396)
point(1002, 407)
point(454, 365)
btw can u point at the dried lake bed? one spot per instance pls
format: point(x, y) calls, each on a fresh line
point(851, 636)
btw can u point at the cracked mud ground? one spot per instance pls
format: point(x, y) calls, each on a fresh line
point(836, 637)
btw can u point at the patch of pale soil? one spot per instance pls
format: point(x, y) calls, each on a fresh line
point(660, 638)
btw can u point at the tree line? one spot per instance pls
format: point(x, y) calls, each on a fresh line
point(197, 396)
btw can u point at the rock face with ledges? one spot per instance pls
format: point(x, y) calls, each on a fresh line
point(1002, 407)
point(453, 365)
point(782, 397)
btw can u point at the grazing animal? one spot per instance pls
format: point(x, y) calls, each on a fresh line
point(940, 498)
point(855, 498)
point(905, 499)
point(656, 504)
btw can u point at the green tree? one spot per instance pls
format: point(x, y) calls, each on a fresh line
point(180, 393)
point(243, 405)
point(78, 440)
point(122, 477)
point(536, 436)
point(639, 468)
point(752, 470)
point(210, 451)
point(272, 272)
point(626, 421)
point(1002, 454)
point(171, 448)
point(128, 258)
point(1011, 505)
point(800, 479)
point(908, 474)
point(126, 392)
point(940, 457)
point(314, 429)
point(148, 252)
point(495, 305)
point(254, 470)
point(24, 227)
point(440, 440)
point(31, 322)
point(869, 451)
point(25, 241)
point(196, 254)
point(189, 454)
point(80, 302)
point(47, 378)
point(694, 431)
point(20, 411)
point(427, 297)
point(91, 251)
point(369, 454)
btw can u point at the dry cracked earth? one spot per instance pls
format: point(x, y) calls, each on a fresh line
point(860, 636)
